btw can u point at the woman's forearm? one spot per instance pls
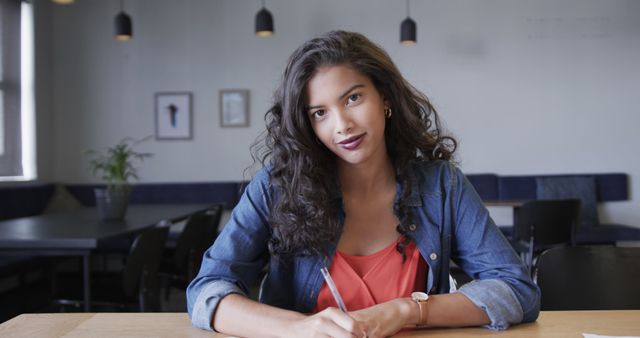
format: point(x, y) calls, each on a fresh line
point(241, 316)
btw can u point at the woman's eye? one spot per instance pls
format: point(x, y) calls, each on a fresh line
point(354, 98)
point(318, 114)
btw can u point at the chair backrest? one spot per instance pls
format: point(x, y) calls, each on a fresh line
point(211, 232)
point(589, 278)
point(144, 257)
point(552, 221)
point(199, 233)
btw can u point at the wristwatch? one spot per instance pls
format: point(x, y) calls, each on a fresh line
point(421, 299)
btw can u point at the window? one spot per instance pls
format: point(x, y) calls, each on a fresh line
point(16, 91)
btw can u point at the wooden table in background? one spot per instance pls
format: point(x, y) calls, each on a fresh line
point(80, 232)
point(549, 324)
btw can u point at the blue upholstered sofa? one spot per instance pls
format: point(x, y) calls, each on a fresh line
point(24, 200)
point(225, 193)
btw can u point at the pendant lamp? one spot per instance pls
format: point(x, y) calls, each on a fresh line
point(264, 22)
point(408, 30)
point(63, 2)
point(123, 26)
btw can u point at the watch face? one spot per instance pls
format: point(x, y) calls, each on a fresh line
point(419, 296)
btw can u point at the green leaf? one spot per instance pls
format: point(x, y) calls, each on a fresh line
point(116, 164)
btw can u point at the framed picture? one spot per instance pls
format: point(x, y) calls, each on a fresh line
point(173, 116)
point(234, 108)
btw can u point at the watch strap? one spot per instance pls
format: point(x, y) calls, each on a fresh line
point(424, 313)
point(421, 299)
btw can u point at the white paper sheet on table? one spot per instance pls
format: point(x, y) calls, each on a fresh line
point(591, 335)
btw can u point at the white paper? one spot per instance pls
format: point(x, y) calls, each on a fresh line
point(591, 335)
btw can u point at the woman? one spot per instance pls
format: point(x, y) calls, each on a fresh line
point(358, 179)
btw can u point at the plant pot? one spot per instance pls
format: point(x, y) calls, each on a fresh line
point(112, 204)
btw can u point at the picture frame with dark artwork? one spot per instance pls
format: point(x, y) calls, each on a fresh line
point(234, 108)
point(173, 116)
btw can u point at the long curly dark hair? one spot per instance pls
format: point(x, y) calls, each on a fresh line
point(305, 214)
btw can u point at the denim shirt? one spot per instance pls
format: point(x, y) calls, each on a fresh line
point(450, 222)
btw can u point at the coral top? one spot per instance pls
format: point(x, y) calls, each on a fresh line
point(364, 281)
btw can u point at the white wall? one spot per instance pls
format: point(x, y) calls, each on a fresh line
point(528, 87)
point(44, 109)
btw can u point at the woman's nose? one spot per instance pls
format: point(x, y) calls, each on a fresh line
point(344, 124)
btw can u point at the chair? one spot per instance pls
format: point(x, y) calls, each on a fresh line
point(180, 264)
point(543, 224)
point(137, 286)
point(211, 231)
point(589, 278)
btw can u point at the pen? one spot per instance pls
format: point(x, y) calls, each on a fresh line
point(333, 289)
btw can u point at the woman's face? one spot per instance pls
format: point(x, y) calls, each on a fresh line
point(347, 114)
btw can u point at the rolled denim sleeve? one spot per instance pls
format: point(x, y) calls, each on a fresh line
point(497, 299)
point(503, 288)
point(207, 302)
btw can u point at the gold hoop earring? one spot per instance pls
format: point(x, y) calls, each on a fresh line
point(387, 112)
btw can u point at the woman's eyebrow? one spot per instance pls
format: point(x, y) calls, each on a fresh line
point(342, 96)
point(359, 85)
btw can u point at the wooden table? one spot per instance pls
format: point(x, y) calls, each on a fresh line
point(550, 324)
point(80, 232)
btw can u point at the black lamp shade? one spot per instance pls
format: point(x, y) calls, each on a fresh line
point(123, 27)
point(408, 32)
point(264, 23)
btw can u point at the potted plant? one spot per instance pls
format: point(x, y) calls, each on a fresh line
point(116, 167)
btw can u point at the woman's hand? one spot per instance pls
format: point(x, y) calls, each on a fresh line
point(330, 322)
point(385, 319)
